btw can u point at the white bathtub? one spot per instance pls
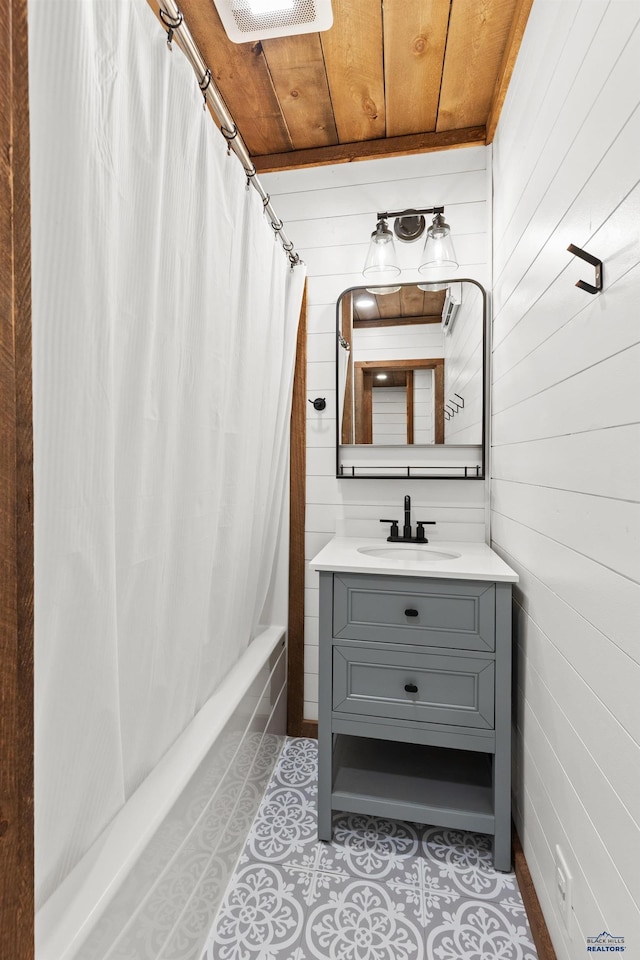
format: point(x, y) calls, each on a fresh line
point(150, 886)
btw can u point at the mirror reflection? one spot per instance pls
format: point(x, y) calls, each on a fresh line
point(410, 379)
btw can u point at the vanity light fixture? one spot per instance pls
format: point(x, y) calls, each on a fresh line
point(409, 225)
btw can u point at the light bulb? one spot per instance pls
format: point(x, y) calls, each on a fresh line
point(381, 263)
point(438, 247)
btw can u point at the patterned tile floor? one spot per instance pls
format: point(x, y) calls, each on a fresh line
point(382, 890)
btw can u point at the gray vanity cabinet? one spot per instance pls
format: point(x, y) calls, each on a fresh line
point(415, 702)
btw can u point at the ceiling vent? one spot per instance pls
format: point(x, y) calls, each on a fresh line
point(449, 311)
point(246, 20)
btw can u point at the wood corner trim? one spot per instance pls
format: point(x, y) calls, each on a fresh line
point(539, 929)
point(297, 502)
point(518, 25)
point(310, 729)
point(16, 497)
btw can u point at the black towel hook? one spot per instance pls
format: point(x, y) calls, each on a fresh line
point(577, 252)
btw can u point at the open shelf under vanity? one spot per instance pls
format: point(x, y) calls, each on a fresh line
point(413, 782)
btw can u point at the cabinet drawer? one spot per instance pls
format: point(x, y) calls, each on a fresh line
point(442, 689)
point(442, 613)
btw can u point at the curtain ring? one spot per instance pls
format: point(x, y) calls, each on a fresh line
point(277, 225)
point(229, 135)
point(171, 24)
point(204, 85)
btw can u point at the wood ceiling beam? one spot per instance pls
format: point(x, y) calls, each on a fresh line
point(371, 149)
point(397, 321)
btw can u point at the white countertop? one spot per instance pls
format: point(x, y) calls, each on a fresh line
point(476, 561)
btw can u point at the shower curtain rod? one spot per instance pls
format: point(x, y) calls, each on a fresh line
point(173, 20)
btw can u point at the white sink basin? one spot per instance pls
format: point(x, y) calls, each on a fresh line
point(421, 554)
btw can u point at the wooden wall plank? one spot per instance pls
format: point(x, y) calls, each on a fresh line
point(568, 406)
point(478, 36)
point(554, 683)
point(300, 81)
point(353, 55)
point(16, 498)
point(599, 462)
point(566, 188)
point(415, 35)
point(608, 530)
point(242, 76)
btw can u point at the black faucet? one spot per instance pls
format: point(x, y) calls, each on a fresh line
point(406, 537)
point(406, 530)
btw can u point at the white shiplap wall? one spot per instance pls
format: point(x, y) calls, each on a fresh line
point(566, 453)
point(329, 213)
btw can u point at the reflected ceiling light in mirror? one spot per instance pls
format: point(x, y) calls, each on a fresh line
point(438, 247)
point(381, 376)
point(382, 262)
point(432, 287)
point(382, 291)
point(365, 303)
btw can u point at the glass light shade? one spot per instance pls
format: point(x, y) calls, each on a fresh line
point(438, 247)
point(383, 290)
point(381, 264)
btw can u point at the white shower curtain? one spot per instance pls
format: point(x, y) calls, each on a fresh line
point(164, 337)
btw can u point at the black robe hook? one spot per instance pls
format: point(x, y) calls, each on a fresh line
point(577, 252)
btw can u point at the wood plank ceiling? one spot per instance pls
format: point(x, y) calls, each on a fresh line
point(408, 305)
point(390, 77)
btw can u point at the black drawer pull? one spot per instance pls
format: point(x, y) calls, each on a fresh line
point(411, 688)
point(411, 612)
